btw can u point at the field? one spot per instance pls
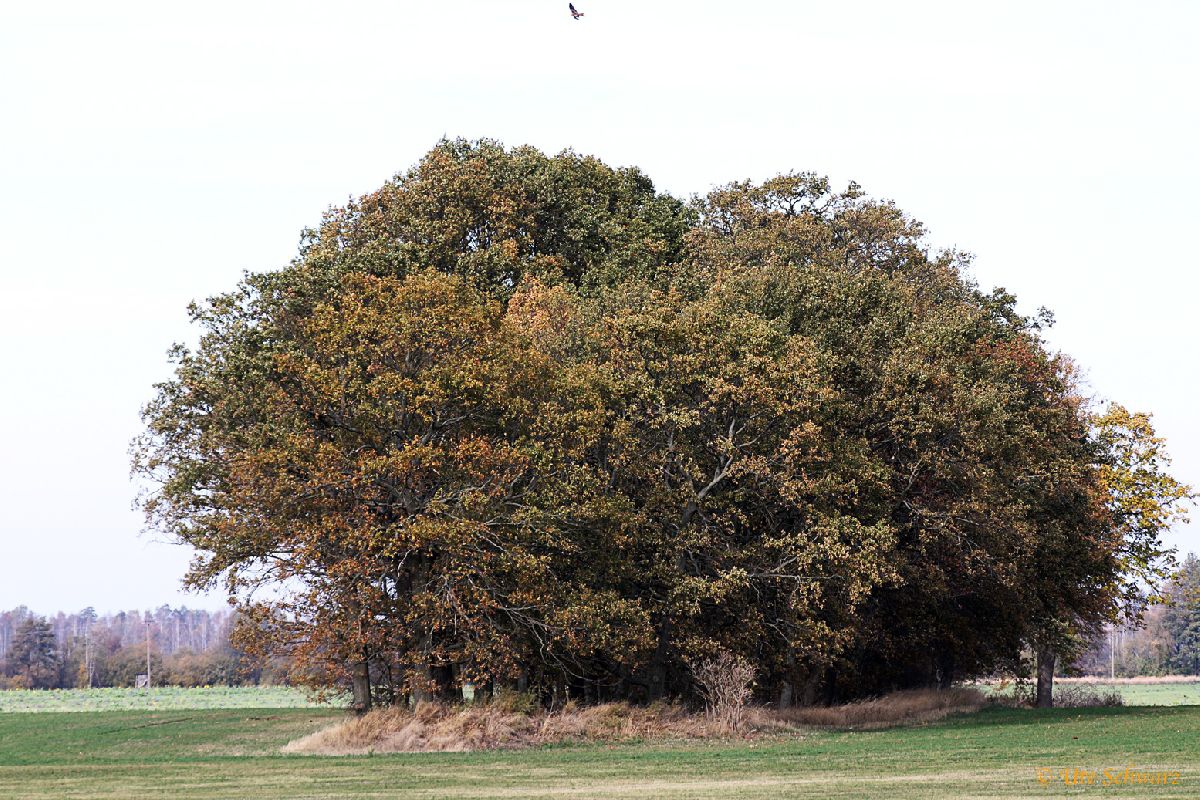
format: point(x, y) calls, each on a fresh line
point(1147, 692)
point(190, 755)
point(158, 698)
point(1135, 691)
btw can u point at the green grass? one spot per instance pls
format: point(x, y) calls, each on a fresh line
point(158, 698)
point(1154, 694)
point(235, 754)
point(1174, 693)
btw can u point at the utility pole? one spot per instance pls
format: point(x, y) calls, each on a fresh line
point(149, 679)
point(1112, 652)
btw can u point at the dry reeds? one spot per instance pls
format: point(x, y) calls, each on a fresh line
point(433, 727)
point(898, 708)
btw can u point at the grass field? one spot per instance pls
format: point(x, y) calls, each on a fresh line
point(1149, 693)
point(1174, 692)
point(188, 755)
point(158, 698)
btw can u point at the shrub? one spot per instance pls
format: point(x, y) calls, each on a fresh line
point(725, 682)
point(1075, 695)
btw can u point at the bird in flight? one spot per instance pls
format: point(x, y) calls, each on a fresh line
point(574, 13)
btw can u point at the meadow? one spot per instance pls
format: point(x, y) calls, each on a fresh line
point(157, 698)
point(1172, 691)
point(208, 754)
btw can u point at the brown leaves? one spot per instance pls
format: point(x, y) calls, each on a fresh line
point(518, 414)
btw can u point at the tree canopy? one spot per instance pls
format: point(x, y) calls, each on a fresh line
point(523, 420)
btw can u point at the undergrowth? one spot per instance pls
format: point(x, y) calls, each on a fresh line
point(437, 727)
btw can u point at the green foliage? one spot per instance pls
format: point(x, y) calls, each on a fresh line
point(33, 655)
point(495, 216)
point(1181, 619)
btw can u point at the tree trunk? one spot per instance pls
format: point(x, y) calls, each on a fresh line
point(945, 670)
point(785, 696)
point(812, 685)
point(787, 692)
point(446, 682)
point(658, 663)
point(1045, 676)
point(421, 691)
point(360, 678)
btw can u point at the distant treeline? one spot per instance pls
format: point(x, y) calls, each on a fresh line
point(1167, 644)
point(185, 647)
point(191, 647)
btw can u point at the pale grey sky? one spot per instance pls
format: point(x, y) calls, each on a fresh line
point(150, 152)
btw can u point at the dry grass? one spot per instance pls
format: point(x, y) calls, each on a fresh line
point(434, 727)
point(898, 708)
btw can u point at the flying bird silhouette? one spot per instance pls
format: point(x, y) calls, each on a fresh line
point(574, 13)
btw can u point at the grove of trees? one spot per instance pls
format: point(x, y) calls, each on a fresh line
point(520, 420)
point(187, 647)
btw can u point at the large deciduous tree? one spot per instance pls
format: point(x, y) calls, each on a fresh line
point(522, 419)
point(1100, 555)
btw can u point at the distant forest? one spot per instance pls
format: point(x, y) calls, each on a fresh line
point(186, 647)
point(1168, 641)
point(190, 647)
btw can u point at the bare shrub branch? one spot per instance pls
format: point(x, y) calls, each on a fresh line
point(725, 682)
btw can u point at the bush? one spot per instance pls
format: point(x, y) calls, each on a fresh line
point(1076, 695)
point(1066, 695)
point(725, 682)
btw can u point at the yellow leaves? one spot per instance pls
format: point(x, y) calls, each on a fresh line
point(1141, 500)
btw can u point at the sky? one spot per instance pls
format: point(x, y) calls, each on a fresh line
point(151, 152)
